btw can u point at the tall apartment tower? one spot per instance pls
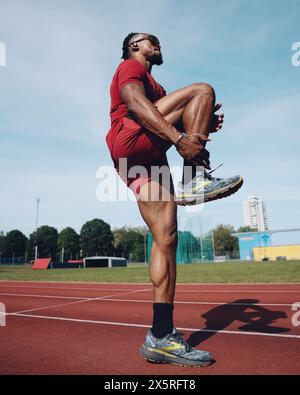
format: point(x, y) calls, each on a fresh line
point(255, 214)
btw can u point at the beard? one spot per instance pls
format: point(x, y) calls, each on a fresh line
point(156, 59)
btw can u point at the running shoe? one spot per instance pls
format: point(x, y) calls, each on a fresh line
point(173, 349)
point(205, 188)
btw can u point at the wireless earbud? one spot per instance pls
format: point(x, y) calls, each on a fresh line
point(135, 47)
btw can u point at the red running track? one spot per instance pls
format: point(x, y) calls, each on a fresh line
point(80, 328)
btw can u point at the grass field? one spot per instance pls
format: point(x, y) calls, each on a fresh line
point(225, 272)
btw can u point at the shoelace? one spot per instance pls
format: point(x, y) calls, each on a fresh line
point(207, 174)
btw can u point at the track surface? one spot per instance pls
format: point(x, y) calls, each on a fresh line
point(67, 328)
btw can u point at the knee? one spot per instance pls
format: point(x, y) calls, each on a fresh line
point(203, 89)
point(167, 240)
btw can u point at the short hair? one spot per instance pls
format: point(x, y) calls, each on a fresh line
point(125, 47)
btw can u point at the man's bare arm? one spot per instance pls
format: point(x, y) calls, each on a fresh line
point(147, 115)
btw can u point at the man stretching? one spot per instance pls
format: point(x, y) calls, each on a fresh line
point(145, 123)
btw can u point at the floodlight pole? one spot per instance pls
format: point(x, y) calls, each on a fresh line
point(145, 248)
point(36, 227)
point(201, 242)
point(213, 244)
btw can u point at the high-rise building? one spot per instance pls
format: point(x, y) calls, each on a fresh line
point(255, 213)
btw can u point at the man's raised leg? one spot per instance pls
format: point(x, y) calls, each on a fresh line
point(193, 108)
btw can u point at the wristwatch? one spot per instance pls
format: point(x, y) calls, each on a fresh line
point(182, 135)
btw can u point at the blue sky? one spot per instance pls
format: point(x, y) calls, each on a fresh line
point(54, 101)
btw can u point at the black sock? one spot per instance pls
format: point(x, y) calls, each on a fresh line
point(187, 173)
point(162, 319)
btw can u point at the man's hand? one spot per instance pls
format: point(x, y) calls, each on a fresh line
point(190, 148)
point(217, 119)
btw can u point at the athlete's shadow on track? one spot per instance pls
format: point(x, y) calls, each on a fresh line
point(255, 318)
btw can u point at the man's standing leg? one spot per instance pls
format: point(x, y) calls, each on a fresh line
point(161, 218)
point(163, 343)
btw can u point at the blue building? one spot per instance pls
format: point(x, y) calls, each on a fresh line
point(249, 240)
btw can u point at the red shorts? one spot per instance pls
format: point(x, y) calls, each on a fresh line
point(140, 147)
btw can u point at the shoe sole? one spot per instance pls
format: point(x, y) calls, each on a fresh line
point(155, 358)
point(220, 194)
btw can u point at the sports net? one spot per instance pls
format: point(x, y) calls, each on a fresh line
point(195, 239)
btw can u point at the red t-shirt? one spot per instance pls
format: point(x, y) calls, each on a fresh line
point(130, 71)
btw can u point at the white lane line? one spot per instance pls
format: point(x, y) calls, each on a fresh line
point(109, 298)
point(150, 289)
point(148, 326)
point(69, 288)
point(72, 303)
point(240, 292)
point(43, 296)
point(201, 303)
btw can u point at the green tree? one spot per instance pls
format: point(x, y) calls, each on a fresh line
point(31, 243)
point(96, 238)
point(2, 244)
point(68, 240)
point(46, 240)
point(13, 244)
point(130, 243)
point(133, 244)
point(119, 235)
point(224, 243)
point(246, 229)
